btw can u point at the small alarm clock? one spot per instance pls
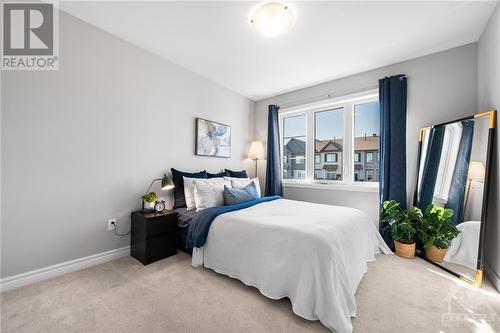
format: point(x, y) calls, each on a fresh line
point(159, 206)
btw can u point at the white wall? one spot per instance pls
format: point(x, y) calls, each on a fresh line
point(81, 144)
point(489, 98)
point(441, 87)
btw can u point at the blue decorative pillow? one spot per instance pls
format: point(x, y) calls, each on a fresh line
point(215, 175)
point(234, 195)
point(179, 196)
point(236, 174)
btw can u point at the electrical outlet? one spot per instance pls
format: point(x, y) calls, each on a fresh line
point(112, 224)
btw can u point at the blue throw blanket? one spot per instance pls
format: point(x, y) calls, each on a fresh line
point(201, 222)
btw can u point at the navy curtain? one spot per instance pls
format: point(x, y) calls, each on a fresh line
point(459, 180)
point(431, 167)
point(273, 172)
point(392, 98)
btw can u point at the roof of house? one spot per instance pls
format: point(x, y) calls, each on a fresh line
point(296, 147)
point(368, 143)
point(360, 143)
point(328, 145)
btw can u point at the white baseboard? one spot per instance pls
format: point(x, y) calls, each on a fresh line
point(16, 281)
point(492, 276)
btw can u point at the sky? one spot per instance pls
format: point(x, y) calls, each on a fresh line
point(329, 124)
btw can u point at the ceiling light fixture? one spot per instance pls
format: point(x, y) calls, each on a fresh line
point(272, 19)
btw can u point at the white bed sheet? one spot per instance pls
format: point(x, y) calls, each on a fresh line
point(313, 254)
point(464, 248)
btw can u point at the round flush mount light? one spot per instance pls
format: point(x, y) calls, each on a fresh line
point(272, 19)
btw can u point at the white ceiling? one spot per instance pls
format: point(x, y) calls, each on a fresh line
point(329, 39)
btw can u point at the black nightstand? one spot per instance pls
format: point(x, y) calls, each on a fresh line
point(153, 236)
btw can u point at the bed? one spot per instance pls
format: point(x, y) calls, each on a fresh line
point(184, 221)
point(313, 254)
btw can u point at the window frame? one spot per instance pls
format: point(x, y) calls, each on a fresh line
point(359, 157)
point(347, 102)
point(372, 154)
point(335, 158)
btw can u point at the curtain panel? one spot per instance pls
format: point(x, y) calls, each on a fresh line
point(273, 171)
point(425, 194)
point(392, 98)
point(459, 180)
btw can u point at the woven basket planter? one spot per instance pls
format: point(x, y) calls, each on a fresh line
point(435, 254)
point(405, 250)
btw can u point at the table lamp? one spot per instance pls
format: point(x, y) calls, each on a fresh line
point(166, 184)
point(475, 174)
point(256, 152)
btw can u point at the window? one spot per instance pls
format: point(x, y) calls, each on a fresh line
point(369, 157)
point(331, 158)
point(332, 140)
point(294, 147)
point(329, 133)
point(357, 157)
point(367, 137)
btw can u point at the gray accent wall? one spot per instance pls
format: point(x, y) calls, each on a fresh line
point(81, 144)
point(489, 98)
point(441, 86)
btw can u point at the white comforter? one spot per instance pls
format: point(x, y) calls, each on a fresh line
point(313, 254)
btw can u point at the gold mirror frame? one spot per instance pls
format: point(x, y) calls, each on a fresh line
point(478, 281)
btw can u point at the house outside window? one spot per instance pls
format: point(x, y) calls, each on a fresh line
point(317, 159)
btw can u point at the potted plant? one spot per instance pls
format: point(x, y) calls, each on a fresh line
point(149, 199)
point(437, 231)
point(401, 223)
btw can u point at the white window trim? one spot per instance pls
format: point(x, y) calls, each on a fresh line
point(347, 102)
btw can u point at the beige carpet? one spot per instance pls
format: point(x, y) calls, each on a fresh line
point(396, 295)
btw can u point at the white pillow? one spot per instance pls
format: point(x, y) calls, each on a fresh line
point(242, 182)
point(209, 192)
point(189, 192)
point(237, 178)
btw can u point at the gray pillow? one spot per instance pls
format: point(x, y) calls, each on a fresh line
point(234, 196)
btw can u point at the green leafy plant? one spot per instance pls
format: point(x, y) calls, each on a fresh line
point(437, 228)
point(150, 197)
point(401, 222)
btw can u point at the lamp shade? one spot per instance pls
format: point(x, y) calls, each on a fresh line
point(166, 183)
point(256, 151)
point(476, 171)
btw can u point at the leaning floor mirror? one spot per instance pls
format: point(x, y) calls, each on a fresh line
point(454, 165)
